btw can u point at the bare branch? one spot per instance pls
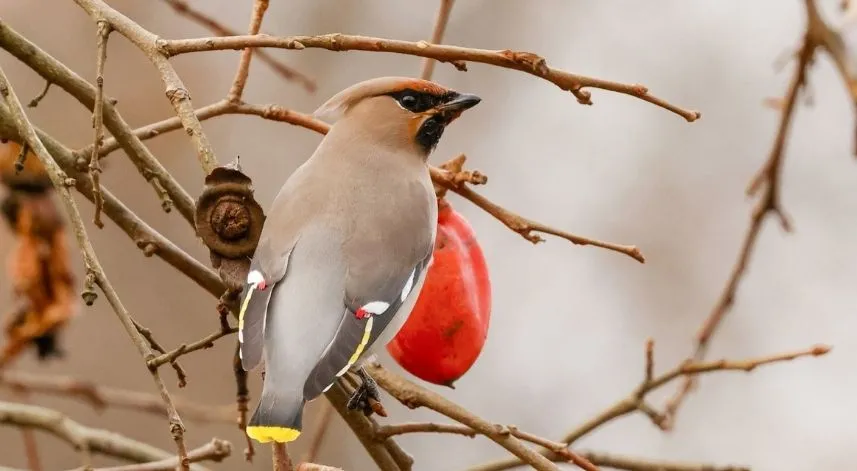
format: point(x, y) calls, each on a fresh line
point(175, 90)
point(61, 183)
point(205, 342)
point(453, 181)
point(183, 8)
point(41, 96)
point(363, 427)
point(58, 73)
point(414, 396)
point(102, 33)
point(437, 35)
point(612, 461)
point(527, 62)
point(769, 203)
point(101, 397)
point(526, 227)
point(220, 108)
point(384, 431)
point(216, 450)
point(79, 436)
point(147, 239)
point(240, 80)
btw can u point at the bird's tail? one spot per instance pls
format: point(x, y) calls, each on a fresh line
point(278, 417)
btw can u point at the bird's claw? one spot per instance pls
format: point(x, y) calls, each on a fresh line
point(366, 397)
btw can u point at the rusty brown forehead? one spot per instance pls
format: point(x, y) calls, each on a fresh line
point(421, 86)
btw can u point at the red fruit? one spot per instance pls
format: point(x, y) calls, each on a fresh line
point(446, 331)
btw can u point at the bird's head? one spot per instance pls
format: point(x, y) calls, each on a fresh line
point(397, 111)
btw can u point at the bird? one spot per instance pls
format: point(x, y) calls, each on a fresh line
point(345, 248)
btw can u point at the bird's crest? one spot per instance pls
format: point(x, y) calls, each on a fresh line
point(337, 105)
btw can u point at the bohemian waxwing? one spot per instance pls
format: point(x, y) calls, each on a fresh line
point(345, 248)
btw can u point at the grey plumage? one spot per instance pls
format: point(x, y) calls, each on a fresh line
point(352, 228)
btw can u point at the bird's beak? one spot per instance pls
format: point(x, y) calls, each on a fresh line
point(453, 108)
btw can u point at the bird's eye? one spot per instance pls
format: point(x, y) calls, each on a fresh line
point(409, 102)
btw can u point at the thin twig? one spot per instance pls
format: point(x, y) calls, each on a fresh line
point(41, 96)
point(58, 73)
point(62, 183)
point(437, 35)
point(609, 460)
point(450, 180)
point(559, 448)
point(527, 62)
point(527, 228)
point(31, 449)
point(413, 396)
point(203, 343)
point(634, 402)
point(175, 89)
point(385, 431)
point(80, 436)
point(221, 108)
point(216, 450)
point(101, 397)
point(363, 427)
point(102, 33)
point(157, 347)
point(183, 8)
point(768, 204)
point(146, 238)
point(240, 80)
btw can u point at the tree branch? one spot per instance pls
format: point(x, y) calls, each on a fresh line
point(102, 33)
point(56, 72)
point(635, 402)
point(413, 396)
point(449, 180)
point(183, 8)
point(183, 349)
point(216, 450)
point(147, 239)
point(527, 62)
point(440, 22)
point(768, 204)
point(61, 183)
point(175, 90)
point(84, 439)
point(240, 80)
point(101, 398)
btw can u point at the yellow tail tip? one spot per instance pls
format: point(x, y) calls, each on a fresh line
point(265, 434)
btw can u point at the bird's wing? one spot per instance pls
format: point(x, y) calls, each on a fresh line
point(268, 267)
point(371, 302)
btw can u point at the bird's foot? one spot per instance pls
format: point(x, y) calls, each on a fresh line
point(366, 397)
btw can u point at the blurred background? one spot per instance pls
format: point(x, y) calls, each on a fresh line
point(569, 323)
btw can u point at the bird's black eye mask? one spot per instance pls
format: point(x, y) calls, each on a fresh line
point(431, 129)
point(419, 102)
